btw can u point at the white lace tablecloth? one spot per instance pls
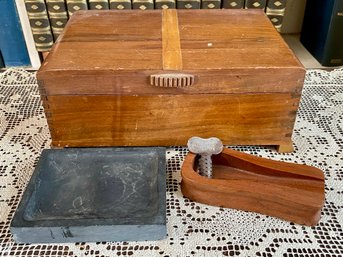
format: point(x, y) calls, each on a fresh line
point(193, 229)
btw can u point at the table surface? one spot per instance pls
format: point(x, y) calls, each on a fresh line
point(193, 229)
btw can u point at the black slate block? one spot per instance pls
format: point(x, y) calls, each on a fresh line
point(94, 194)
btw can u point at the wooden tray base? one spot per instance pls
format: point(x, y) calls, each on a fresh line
point(288, 191)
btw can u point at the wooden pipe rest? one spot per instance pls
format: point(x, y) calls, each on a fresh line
point(288, 191)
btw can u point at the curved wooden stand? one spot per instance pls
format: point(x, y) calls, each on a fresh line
point(288, 191)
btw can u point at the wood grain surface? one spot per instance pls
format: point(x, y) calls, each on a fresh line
point(132, 40)
point(288, 191)
point(96, 89)
point(279, 80)
point(171, 119)
point(171, 49)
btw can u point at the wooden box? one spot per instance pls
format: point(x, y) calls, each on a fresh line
point(158, 77)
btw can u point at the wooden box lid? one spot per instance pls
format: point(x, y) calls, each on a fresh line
point(142, 52)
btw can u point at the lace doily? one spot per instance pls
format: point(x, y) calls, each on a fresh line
point(193, 229)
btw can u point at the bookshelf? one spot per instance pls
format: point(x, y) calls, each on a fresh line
point(290, 30)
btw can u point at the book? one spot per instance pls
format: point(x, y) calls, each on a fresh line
point(165, 4)
point(275, 10)
point(120, 4)
point(143, 4)
point(2, 64)
point(40, 24)
point(58, 16)
point(259, 4)
point(98, 4)
point(188, 4)
point(322, 33)
point(233, 4)
point(13, 51)
point(211, 4)
point(76, 5)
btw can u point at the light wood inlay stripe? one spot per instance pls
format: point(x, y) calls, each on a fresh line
point(171, 49)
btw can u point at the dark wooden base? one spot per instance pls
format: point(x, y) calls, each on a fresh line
point(288, 191)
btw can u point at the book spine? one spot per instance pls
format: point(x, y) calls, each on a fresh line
point(255, 4)
point(58, 16)
point(142, 4)
point(276, 11)
point(40, 25)
point(2, 63)
point(98, 4)
point(211, 4)
point(120, 4)
point(12, 43)
point(165, 4)
point(233, 4)
point(333, 55)
point(322, 31)
point(76, 5)
point(188, 4)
